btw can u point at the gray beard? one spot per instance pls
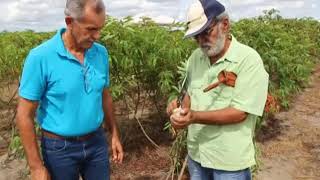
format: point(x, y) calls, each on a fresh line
point(213, 50)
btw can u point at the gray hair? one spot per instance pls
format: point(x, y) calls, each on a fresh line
point(75, 8)
point(222, 16)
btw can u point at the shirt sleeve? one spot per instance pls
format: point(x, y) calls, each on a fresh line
point(32, 83)
point(189, 67)
point(106, 58)
point(251, 86)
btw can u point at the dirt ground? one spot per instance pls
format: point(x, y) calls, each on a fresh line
point(142, 159)
point(292, 150)
point(290, 144)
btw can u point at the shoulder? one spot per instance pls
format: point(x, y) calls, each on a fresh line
point(101, 52)
point(249, 55)
point(195, 56)
point(197, 53)
point(100, 48)
point(45, 47)
point(43, 50)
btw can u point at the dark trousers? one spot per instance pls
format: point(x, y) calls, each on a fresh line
point(68, 159)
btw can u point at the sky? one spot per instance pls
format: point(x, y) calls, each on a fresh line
point(47, 15)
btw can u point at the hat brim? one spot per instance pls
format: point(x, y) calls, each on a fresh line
point(191, 32)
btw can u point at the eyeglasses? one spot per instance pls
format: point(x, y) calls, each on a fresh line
point(85, 71)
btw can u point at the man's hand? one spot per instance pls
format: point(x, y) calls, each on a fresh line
point(171, 106)
point(110, 122)
point(40, 173)
point(117, 151)
point(186, 103)
point(182, 118)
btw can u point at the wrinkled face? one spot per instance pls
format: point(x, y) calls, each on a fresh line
point(213, 39)
point(86, 31)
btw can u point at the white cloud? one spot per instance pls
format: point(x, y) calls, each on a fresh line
point(151, 8)
point(281, 5)
point(32, 14)
point(121, 4)
point(44, 15)
point(158, 19)
point(246, 2)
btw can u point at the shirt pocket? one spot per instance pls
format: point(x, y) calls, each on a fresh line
point(95, 80)
point(98, 82)
point(200, 101)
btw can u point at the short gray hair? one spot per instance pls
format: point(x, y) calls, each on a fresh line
point(222, 16)
point(75, 8)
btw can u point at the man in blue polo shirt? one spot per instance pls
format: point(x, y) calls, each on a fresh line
point(65, 83)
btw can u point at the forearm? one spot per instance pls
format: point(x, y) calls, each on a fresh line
point(29, 141)
point(219, 117)
point(109, 119)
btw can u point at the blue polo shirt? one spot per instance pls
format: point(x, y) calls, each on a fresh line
point(69, 93)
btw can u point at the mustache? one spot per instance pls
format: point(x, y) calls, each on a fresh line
point(206, 45)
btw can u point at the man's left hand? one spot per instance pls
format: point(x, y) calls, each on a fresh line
point(183, 119)
point(117, 150)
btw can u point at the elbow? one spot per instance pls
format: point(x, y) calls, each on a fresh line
point(22, 118)
point(18, 118)
point(25, 113)
point(242, 116)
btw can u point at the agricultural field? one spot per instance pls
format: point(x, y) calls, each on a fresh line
point(147, 62)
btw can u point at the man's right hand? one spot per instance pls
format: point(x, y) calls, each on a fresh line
point(40, 173)
point(186, 103)
point(171, 106)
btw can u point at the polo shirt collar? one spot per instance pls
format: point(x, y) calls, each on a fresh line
point(231, 54)
point(62, 51)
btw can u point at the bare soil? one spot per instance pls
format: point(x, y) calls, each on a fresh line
point(289, 144)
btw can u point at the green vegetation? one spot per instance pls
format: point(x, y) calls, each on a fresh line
point(144, 57)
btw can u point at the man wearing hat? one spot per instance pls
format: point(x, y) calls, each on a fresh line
point(227, 88)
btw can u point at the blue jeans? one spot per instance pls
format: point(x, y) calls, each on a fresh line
point(68, 160)
point(197, 172)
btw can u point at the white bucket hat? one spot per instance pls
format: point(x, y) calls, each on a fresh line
point(200, 15)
